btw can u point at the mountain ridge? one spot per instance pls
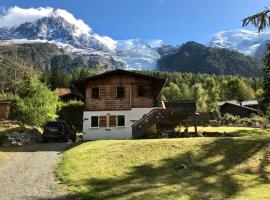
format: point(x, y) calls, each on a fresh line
point(77, 41)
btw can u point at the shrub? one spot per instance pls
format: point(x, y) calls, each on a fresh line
point(72, 112)
point(228, 118)
point(36, 104)
point(3, 138)
point(268, 112)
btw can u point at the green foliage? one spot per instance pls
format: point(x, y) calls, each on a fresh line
point(239, 90)
point(3, 138)
point(266, 81)
point(230, 119)
point(197, 58)
point(268, 112)
point(36, 104)
point(58, 78)
point(72, 112)
point(206, 89)
point(213, 96)
point(200, 97)
point(260, 20)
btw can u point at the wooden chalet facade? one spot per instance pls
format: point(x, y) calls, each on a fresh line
point(119, 104)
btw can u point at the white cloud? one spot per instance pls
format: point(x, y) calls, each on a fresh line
point(15, 16)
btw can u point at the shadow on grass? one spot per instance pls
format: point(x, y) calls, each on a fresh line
point(210, 174)
point(238, 133)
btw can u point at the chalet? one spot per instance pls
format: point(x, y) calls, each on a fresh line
point(66, 95)
point(249, 103)
point(238, 109)
point(121, 104)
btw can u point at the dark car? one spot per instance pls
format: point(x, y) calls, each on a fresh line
point(58, 131)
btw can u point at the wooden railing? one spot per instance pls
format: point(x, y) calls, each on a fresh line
point(139, 127)
point(174, 112)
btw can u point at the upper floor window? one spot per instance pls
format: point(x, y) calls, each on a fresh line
point(144, 90)
point(95, 93)
point(120, 92)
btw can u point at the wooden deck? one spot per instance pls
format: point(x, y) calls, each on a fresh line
point(162, 119)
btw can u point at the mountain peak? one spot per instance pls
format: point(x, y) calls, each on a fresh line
point(244, 41)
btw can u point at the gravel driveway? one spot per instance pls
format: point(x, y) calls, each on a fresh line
point(29, 173)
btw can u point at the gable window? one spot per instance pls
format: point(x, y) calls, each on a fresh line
point(144, 90)
point(94, 122)
point(95, 93)
point(120, 92)
point(121, 120)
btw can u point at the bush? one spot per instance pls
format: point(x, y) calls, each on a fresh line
point(72, 112)
point(3, 138)
point(230, 119)
point(36, 104)
point(268, 112)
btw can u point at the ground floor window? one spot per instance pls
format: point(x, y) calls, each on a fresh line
point(94, 122)
point(112, 120)
point(121, 120)
point(103, 121)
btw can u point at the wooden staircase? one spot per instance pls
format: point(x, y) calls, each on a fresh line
point(162, 119)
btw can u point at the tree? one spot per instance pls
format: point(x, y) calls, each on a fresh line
point(59, 78)
point(72, 112)
point(200, 97)
point(261, 21)
point(172, 92)
point(239, 90)
point(16, 73)
point(36, 104)
point(213, 96)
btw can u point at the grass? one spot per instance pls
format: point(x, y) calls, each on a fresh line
point(235, 131)
point(217, 168)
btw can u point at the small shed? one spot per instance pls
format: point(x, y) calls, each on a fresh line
point(5, 109)
point(239, 110)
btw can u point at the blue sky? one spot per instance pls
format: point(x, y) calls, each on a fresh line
point(175, 21)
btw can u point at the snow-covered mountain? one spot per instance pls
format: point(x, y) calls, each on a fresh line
point(75, 37)
point(248, 42)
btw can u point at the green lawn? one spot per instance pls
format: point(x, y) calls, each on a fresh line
point(217, 168)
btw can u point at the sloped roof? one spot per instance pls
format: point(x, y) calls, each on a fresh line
point(80, 85)
point(244, 103)
point(62, 91)
point(244, 107)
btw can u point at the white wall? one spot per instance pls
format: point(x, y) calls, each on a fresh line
point(112, 133)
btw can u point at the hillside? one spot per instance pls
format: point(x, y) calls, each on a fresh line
point(46, 55)
point(197, 58)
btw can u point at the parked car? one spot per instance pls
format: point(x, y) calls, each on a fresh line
point(58, 131)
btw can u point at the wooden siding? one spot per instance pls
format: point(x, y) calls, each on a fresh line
point(108, 93)
point(112, 120)
point(102, 121)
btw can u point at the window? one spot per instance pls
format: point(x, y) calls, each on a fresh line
point(120, 92)
point(94, 122)
point(144, 90)
point(112, 121)
point(120, 120)
point(102, 121)
point(95, 93)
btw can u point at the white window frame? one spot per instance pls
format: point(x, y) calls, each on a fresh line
point(117, 121)
point(91, 122)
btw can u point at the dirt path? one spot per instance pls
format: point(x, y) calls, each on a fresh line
point(29, 173)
